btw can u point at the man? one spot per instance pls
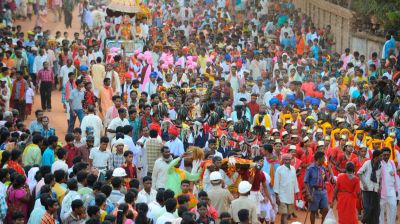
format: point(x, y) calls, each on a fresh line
point(64, 72)
point(99, 156)
point(36, 125)
point(85, 149)
point(152, 148)
point(68, 6)
point(32, 152)
point(176, 175)
point(159, 174)
point(5, 94)
point(314, 179)
point(170, 206)
point(92, 120)
point(112, 110)
point(175, 144)
point(51, 207)
point(105, 99)
point(72, 195)
point(243, 202)
point(389, 188)
point(78, 213)
point(45, 79)
point(46, 131)
point(220, 198)
point(116, 194)
point(126, 89)
point(192, 200)
point(217, 162)
point(48, 154)
point(39, 61)
point(285, 186)
point(60, 164)
point(75, 105)
point(99, 73)
point(117, 157)
point(19, 89)
point(147, 194)
point(119, 121)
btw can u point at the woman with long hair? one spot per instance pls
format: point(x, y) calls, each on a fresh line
point(141, 217)
point(122, 213)
point(18, 197)
point(347, 191)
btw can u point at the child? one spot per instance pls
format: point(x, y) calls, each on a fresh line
point(78, 140)
point(204, 218)
point(129, 167)
point(29, 99)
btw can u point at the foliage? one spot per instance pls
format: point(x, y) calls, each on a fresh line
point(386, 11)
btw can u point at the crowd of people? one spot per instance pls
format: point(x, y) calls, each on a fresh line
point(233, 112)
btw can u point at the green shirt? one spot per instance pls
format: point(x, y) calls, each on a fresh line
point(32, 155)
point(176, 175)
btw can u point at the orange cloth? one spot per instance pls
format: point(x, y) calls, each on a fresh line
point(105, 96)
point(347, 198)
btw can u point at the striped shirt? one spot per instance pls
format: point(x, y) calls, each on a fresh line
point(45, 76)
point(47, 219)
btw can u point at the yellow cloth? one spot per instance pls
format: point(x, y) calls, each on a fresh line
point(325, 126)
point(60, 192)
point(333, 140)
point(266, 121)
point(388, 143)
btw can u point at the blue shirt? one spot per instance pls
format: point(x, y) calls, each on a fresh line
point(31, 60)
point(315, 176)
point(35, 126)
point(267, 169)
point(315, 50)
point(389, 45)
point(48, 132)
point(48, 157)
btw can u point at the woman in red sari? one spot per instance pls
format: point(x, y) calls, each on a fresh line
point(16, 161)
point(347, 191)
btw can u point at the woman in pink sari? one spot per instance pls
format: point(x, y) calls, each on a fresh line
point(18, 197)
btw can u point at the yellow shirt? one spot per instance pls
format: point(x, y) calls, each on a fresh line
point(60, 192)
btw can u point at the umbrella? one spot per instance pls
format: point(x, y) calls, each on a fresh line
point(127, 7)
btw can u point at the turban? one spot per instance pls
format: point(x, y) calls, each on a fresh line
point(334, 101)
point(128, 75)
point(299, 103)
point(83, 68)
point(331, 107)
point(355, 94)
point(77, 62)
point(290, 97)
point(274, 100)
point(315, 101)
point(308, 98)
point(227, 57)
point(173, 130)
point(153, 75)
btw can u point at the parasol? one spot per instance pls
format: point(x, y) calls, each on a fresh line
point(128, 7)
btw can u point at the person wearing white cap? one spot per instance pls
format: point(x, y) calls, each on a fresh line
point(244, 202)
point(285, 187)
point(220, 198)
point(117, 157)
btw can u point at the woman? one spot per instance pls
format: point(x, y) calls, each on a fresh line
point(122, 214)
point(16, 161)
point(204, 218)
point(347, 191)
point(141, 217)
point(18, 197)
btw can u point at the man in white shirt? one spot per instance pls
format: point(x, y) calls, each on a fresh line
point(117, 122)
point(168, 216)
point(147, 194)
point(151, 86)
point(99, 156)
point(60, 164)
point(65, 70)
point(39, 60)
point(174, 144)
point(370, 186)
point(159, 174)
point(155, 206)
point(94, 121)
point(389, 188)
point(285, 186)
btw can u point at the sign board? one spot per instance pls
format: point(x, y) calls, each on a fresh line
point(130, 46)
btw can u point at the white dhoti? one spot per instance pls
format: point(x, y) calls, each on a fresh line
point(257, 197)
point(388, 206)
